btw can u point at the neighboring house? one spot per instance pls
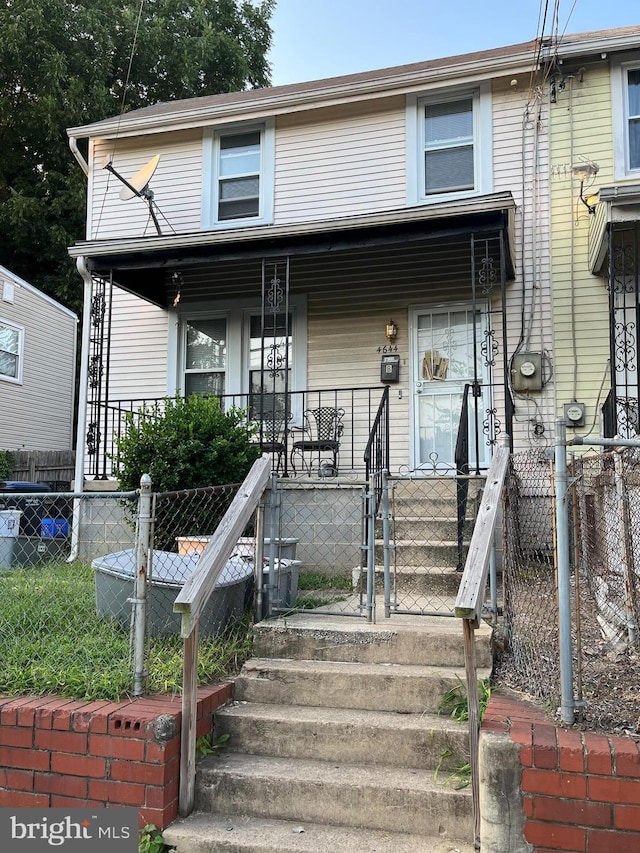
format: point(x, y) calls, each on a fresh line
point(37, 368)
point(305, 247)
point(595, 217)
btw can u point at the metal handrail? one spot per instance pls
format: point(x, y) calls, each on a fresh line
point(461, 459)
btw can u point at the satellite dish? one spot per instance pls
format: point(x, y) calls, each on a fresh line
point(138, 185)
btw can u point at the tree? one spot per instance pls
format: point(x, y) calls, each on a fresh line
point(64, 64)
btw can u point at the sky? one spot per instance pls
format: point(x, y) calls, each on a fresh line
point(313, 39)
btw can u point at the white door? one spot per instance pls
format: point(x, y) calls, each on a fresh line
point(443, 356)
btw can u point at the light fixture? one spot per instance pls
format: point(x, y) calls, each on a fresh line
point(584, 171)
point(391, 331)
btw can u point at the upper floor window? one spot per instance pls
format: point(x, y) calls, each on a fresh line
point(238, 177)
point(633, 116)
point(626, 118)
point(11, 344)
point(448, 145)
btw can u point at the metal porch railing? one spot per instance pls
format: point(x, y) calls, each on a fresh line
point(357, 408)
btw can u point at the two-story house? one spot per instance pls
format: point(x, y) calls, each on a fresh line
point(319, 243)
point(594, 115)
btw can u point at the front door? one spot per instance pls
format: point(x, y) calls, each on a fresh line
point(446, 356)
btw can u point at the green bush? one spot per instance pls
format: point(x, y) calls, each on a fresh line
point(6, 464)
point(185, 444)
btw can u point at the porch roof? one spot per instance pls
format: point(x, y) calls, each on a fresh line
point(158, 256)
point(619, 204)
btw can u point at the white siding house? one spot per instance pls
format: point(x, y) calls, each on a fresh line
point(37, 368)
point(297, 223)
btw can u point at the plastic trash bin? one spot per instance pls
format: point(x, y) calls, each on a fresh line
point(30, 499)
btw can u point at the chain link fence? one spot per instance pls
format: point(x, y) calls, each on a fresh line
point(68, 571)
point(604, 531)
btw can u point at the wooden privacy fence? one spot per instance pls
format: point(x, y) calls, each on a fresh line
point(44, 466)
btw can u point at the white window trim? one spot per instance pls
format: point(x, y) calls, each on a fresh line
point(482, 143)
point(236, 313)
point(620, 113)
point(210, 160)
point(17, 380)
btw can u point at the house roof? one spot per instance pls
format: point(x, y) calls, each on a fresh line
point(7, 275)
point(274, 99)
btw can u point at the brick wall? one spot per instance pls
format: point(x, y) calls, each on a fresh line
point(60, 752)
point(581, 790)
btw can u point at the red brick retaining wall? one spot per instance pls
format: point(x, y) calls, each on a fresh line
point(60, 752)
point(581, 790)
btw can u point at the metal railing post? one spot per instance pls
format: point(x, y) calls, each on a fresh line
point(386, 517)
point(567, 705)
point(143, 542)
point(371, 553)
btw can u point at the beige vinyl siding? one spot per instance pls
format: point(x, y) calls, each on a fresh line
point(581, 130)
point(176, 184)
point(521, 165)
point(38, 414)
point(138, 362)
point(340, 163)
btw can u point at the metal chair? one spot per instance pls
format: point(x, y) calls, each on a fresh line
point(319, 448)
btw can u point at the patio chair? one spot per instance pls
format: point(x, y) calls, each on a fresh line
point(319, 447)
point(271, 437)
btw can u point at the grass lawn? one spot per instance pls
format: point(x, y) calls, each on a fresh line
point(52, 641)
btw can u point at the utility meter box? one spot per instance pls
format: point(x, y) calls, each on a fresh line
point(526, 371)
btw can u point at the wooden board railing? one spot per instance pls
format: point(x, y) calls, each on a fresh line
point(191, 601)
point(469, 601)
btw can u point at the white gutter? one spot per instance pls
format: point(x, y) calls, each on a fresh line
point(335, 91)
point(73, 145)
point(81, 429)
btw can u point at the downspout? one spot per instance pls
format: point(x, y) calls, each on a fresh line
point(73, 145)
point(83, 381)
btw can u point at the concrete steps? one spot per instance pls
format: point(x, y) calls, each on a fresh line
point(212, 833)
point(334, 743)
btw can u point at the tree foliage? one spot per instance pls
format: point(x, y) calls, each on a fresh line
point(64, 64)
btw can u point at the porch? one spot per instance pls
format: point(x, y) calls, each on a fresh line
point(287, 322)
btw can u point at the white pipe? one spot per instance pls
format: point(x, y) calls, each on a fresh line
point(81, 427)
point(73, 145)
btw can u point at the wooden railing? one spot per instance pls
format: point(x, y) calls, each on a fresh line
point(469, 601)
point(191, 601)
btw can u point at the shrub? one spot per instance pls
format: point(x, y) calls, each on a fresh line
point(188, 443)
point(6, 464)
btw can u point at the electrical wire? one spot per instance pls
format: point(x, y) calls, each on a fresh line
point(125, 90)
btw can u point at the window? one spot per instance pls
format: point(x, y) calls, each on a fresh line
point(217, 349)
point(238, 177)
point(11, 349)
point(626, 119)
point(449, 145)
point(205, 356)
point(633, 116)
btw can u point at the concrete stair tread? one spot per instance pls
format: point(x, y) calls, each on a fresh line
point(321, 667)
point(206, 832)
point(302, 771)
point(342, 717)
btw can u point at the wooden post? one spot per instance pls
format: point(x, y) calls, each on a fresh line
point(473, 705)
point(187, 790)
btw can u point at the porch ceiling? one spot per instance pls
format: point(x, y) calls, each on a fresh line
point(399, 243)
point(619, 208)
